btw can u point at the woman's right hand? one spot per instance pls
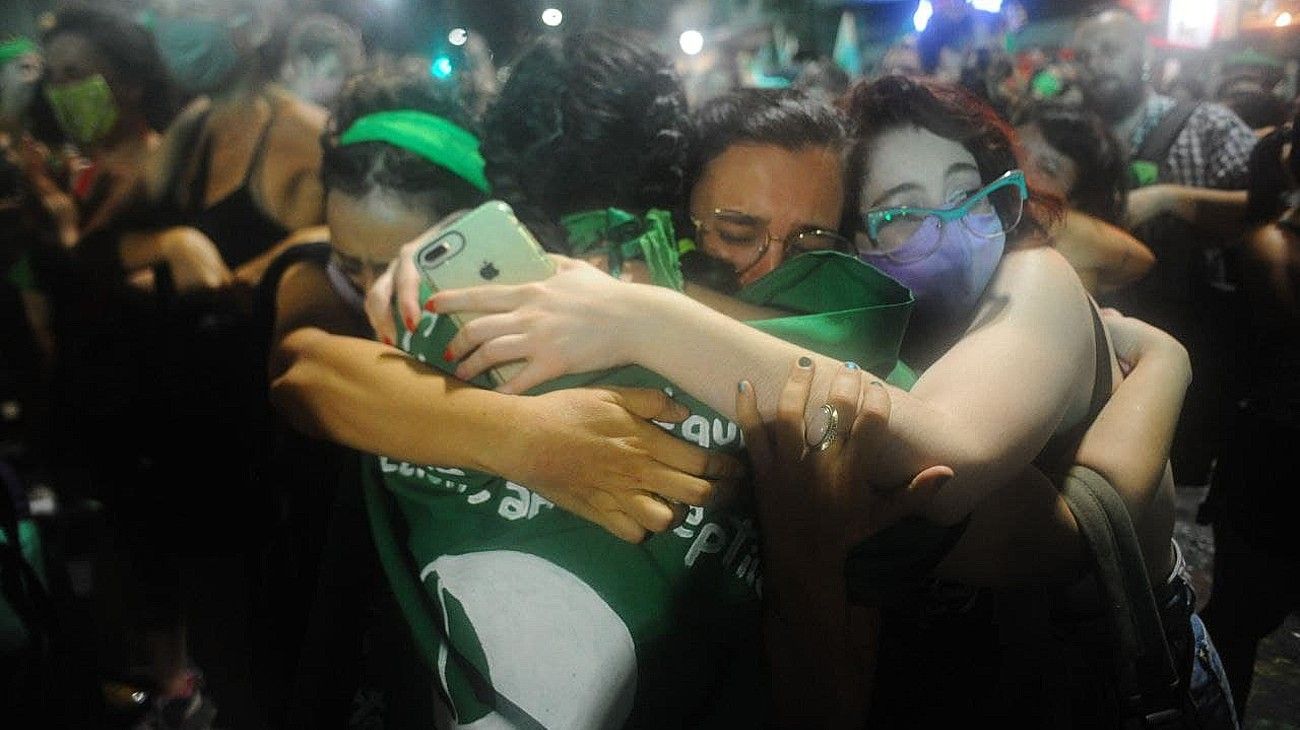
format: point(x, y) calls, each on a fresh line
point(595, 452)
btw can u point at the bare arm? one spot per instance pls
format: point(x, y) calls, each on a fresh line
point(194, 261)
point(1106, 257)
point(1218, 212)
point(593, 452)
point(986, 408)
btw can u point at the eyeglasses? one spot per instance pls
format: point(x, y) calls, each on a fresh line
point(744, 239)
point(989, 212)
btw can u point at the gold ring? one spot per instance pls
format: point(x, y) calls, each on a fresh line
point(832, 428)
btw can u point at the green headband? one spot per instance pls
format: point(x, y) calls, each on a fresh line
point(427, 135)
point(15, 47)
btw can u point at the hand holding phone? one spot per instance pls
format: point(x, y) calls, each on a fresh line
point(487, 245)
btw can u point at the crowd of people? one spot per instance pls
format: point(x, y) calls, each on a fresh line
point(842, 407)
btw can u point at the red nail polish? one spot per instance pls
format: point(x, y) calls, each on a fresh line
point(431, 306)
point(448, 355)
point(385, 340)
point(410, 323)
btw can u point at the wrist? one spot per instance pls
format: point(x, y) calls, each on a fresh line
point(506, 420)
point(636, 316)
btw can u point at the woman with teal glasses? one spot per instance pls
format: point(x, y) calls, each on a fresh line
point(1015, 358)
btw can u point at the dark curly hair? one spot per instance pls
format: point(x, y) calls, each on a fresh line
point(587, 120)
point(1101, 187)
point(361, 168)
point(893, 102)
point(130, 48)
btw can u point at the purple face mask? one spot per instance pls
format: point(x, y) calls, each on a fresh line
point(948, 281)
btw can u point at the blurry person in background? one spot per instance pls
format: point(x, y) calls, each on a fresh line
point(902, 59)
point(1079, 160)
point(320, 54)
point(1252, 503)
point(1253, 102)
point(1188, 164)
point(1209, 149)
point(240, 166)
point(20, 71)
point(824, 78)
point(111, 97)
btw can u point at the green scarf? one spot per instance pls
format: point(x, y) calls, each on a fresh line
point(628, 237)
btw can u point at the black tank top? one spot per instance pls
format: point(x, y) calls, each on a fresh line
point(235, 224)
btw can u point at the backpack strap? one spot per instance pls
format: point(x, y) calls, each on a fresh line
point(1148, 683)
point(1159, 141)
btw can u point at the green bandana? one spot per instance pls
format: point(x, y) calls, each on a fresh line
point(1143, 173)
point(15, 47)
point(627, 236)
point(427, 135)
point(85, 109)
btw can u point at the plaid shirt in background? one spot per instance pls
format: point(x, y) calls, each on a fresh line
point(1212, 151)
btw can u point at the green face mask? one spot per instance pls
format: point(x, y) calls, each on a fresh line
point(85, 109)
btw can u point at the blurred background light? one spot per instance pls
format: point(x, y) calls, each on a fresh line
point(1283, 20)
point(552, 17)
point(441, 67)
point(457, 36)
point(691, 41)
point(924, 11)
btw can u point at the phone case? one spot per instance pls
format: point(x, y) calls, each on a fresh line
point(488, 245)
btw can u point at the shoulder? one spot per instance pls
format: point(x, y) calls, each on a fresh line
point(174, 147)
point(1037, 292)
point(297, 124)
point(297, 117)
point(1035, 266)
point(293, 192)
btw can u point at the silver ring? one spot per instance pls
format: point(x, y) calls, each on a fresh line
point(832, 428)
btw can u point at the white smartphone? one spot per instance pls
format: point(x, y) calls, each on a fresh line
point(487, 245)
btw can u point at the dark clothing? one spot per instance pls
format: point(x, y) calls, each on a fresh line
point(1254, 591)
point(1190, 292)
point(238, 227)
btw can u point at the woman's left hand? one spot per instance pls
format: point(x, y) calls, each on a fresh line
point(573, 322)
point(821, 498)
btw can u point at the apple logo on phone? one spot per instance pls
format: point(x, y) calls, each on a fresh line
point(489, 271)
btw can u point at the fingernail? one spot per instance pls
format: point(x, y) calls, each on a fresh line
point(743, 386)
point(410, 323)
point(431, 306)
point(850, 365)
point(385, 340)
point(448, 355)
point(805, 362)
